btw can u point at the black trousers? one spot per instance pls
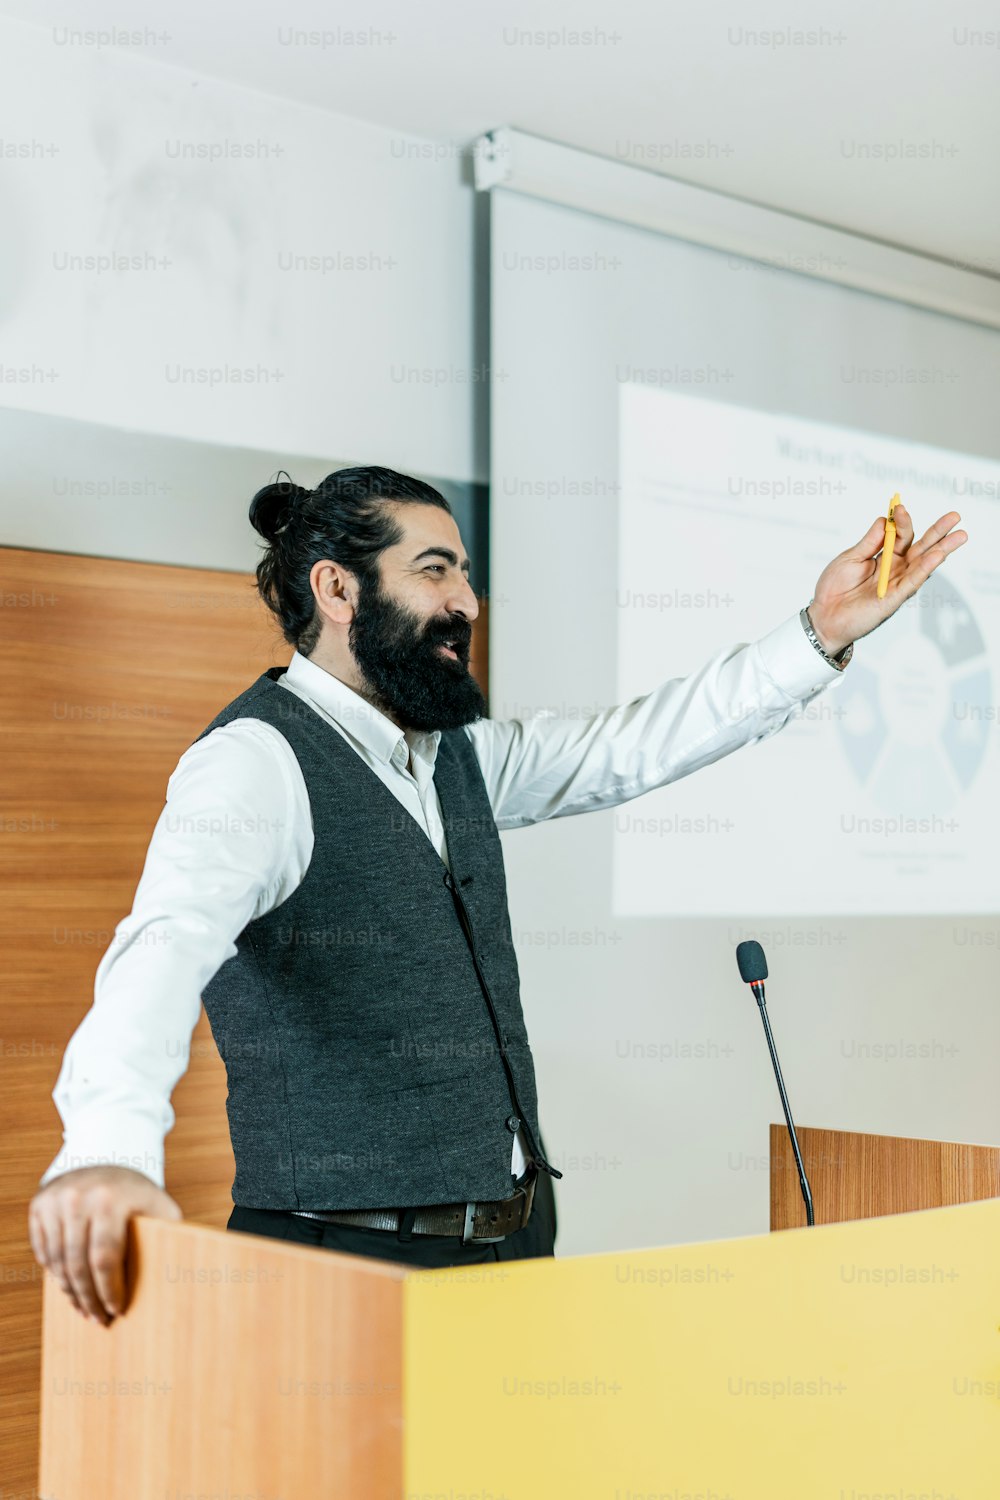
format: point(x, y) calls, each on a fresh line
point(432, 1250)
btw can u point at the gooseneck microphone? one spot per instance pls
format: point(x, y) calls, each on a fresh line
point(753, 971)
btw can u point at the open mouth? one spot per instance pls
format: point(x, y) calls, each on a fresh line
point(448, 648)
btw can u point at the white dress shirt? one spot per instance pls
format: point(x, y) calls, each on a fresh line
point(235, 838)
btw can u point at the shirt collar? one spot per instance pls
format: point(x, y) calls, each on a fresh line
point(357, 717)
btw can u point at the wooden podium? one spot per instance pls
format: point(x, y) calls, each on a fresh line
point(865, 1176)
point(848, 1361)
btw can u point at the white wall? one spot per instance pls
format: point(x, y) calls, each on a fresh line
point(654, 1080)
point(375, 361)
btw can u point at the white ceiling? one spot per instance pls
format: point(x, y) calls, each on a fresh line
point(804, 126)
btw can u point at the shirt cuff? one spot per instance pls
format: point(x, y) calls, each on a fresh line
point(136, 1144)
point(793, 663)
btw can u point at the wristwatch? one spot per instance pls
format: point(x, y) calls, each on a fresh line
point(842, 657)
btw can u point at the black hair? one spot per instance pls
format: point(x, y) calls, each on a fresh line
point(346, 518)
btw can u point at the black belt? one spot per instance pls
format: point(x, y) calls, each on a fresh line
point(472, 1221)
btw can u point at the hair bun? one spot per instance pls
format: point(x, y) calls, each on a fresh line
point(272, 507)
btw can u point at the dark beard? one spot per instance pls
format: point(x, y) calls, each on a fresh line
point(405, 675)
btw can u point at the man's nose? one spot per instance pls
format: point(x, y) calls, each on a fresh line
point(463, 601)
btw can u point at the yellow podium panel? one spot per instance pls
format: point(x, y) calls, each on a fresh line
point(857, 1361)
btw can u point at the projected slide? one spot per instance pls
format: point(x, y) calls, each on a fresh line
point(883, 794)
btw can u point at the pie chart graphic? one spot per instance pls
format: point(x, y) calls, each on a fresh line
point(914, 720)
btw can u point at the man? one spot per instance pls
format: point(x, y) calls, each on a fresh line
point(327, 876)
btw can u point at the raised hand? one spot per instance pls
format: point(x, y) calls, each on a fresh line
point(845, 605)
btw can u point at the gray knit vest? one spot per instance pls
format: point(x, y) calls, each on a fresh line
point(371, 1024)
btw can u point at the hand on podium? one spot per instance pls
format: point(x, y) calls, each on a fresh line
point(77, 1224)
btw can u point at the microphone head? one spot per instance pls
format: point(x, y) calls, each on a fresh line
point(753, 964)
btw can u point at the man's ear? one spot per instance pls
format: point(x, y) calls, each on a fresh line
point(335, 590)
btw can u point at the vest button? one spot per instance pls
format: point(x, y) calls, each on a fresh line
point(513, 1124)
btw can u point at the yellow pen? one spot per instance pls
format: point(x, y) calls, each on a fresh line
point(887, 548)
